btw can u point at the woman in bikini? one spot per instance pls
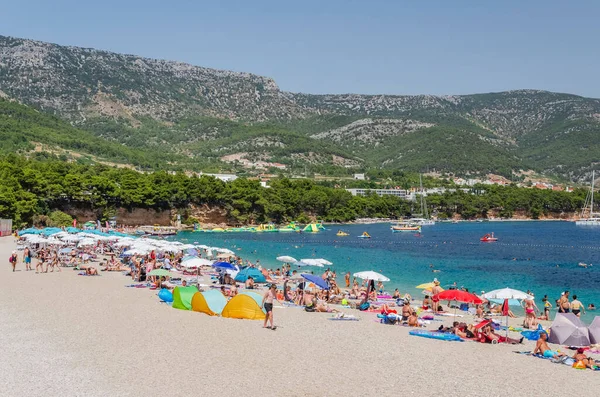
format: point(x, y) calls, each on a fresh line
point(530, 309)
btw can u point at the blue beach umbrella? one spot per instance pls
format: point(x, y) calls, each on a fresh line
point(318, 281)
point(223, 265)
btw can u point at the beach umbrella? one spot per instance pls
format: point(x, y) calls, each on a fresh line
point(507, 293)
point(65, 250)
point(31, 230)
point(223, 265)
point(224, 251)
point(286, 259)
point(136, 251)
point(324, 261)
point(195, 262)
point(425, 286)
point(225, 255)
point(508, 297)
point(160, 273)
point(309, 262)
point(318, 281)
point(594, 330)
point(568, 329)
point(458, 296)
point(371, 275)
point(86, 241)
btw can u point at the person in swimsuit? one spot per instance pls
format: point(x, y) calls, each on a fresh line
point(434, 291)
point(347, 279)
point(267, 302)
point(530, 309)
point(577, 306)
point(27, 259)
point(563, 303)
point(407, 311)
point(581, 360)
point(542, 348)
point(13, 260)
point(547, 307)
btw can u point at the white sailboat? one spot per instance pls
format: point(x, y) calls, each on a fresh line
point(588, 217)
point(425, 220)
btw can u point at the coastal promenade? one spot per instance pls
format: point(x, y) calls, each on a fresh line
point(67, 335)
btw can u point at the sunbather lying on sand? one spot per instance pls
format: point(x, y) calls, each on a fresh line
point(583, 361)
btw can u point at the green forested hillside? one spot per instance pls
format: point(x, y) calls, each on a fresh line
point(165, 114)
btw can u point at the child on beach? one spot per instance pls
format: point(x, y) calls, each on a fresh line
point(13, 260)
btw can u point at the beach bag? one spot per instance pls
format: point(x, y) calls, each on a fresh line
point(364, 306)
point(310, 308)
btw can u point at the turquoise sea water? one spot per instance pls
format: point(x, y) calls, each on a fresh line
point(537, 256)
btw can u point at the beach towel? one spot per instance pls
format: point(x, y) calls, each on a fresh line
point(344, 317)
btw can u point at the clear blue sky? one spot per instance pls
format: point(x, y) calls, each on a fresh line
point(337, 46)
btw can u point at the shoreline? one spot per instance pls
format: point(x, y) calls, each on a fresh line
point(92, 336)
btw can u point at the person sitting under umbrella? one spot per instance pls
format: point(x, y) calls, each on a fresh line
point(490, 336)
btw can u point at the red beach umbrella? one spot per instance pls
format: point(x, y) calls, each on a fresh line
point(457, 295)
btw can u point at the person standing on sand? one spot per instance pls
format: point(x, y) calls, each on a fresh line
point(267, 302)
point(434, 291)
point(27, 258)
point(13, 260)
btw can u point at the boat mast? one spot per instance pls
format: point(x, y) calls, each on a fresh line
point(424, 213)
point(592, 197)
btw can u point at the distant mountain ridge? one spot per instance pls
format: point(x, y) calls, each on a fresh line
point(200, 112)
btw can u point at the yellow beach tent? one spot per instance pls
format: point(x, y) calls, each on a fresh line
point(246, 305)
point(209, 302)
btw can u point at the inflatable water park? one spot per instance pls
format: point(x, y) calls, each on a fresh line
point(313, 227)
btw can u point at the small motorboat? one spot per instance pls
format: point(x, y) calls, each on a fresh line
point(584, 265)
point(488, 238)
point(341, 233)
point(365, 235)
point(406, 227)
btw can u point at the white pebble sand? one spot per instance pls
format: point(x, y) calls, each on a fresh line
point(66, 335)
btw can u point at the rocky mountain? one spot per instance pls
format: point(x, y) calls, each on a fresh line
point(190, 112)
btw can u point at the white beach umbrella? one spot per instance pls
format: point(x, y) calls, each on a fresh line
point(506, 293)
point(371, 275)
point(287, 259)
point(86, 241)
point(309, 262)
point(185, 246)
point(71, 238)
point(126, 243)
point(224, 251)
point(195, 262)
point(324, 261)
point(137, 251)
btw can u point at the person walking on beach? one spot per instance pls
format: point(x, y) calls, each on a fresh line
point(267, 302)
point(27, 258)
point(13, 260)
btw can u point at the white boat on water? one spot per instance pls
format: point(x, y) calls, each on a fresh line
point(588, 216)
point(422, 221)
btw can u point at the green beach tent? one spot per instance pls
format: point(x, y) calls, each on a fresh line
point(182, 297)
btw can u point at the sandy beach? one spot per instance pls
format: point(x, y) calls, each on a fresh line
point(68, 335)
